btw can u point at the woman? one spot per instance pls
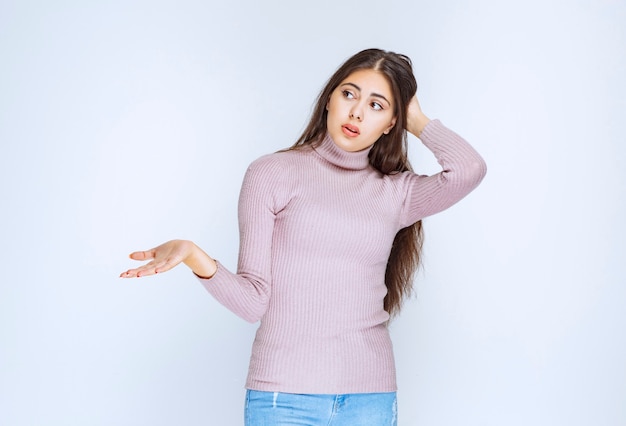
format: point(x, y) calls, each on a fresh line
point(330, 236)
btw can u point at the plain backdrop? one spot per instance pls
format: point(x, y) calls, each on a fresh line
point(127, 123)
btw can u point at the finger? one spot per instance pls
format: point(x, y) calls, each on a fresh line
point(144, 270)
point(142, 255)
point(137, 273)
point(151, 268)
point(131, 273)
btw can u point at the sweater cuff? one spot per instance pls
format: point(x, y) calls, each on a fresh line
point(217, 270)
point(430, 128)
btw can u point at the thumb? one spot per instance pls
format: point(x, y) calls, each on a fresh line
point(142, 255)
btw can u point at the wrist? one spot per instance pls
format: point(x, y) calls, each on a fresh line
point(417, 124)
point(200, 263)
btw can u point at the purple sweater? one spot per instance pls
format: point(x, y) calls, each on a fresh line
point(316, 229)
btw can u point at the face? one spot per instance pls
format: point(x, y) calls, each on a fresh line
point(360, 110)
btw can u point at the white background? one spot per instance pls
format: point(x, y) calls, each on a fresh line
point(125, 124)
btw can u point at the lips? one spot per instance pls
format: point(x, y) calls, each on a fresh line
point(350, 130)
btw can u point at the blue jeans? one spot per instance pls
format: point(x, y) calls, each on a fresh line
point(357, 409)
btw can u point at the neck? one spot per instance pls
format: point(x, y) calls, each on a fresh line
point(332, 153)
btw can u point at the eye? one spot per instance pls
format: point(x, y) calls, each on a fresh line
point(347, 94)
point(376, 106)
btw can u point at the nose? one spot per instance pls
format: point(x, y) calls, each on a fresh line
point(356, 113)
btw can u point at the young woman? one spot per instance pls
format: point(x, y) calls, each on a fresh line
point(330, 236)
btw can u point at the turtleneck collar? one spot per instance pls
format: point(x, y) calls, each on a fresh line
point(346, 160)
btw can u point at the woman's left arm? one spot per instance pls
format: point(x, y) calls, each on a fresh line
point(462, 168)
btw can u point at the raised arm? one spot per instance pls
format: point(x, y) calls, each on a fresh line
point(462, 168)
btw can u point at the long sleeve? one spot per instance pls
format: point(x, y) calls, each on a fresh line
point(247, 293)
point(462, 170)
point(316, 229)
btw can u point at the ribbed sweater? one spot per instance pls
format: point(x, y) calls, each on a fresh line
point(316, 230)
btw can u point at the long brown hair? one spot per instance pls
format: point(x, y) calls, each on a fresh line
point(388, 155)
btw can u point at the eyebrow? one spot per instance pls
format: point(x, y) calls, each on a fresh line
point(378, 95)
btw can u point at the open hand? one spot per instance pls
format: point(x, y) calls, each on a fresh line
point(163, 258)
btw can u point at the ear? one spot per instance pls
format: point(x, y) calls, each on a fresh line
point(393, 123)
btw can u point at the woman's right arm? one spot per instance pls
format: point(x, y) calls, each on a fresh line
point(247, 292)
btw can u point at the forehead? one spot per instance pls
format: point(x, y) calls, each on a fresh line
point(370, 81)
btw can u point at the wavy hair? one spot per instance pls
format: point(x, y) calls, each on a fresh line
point(388, 155)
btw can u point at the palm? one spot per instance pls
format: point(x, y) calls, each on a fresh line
point(162, 258)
